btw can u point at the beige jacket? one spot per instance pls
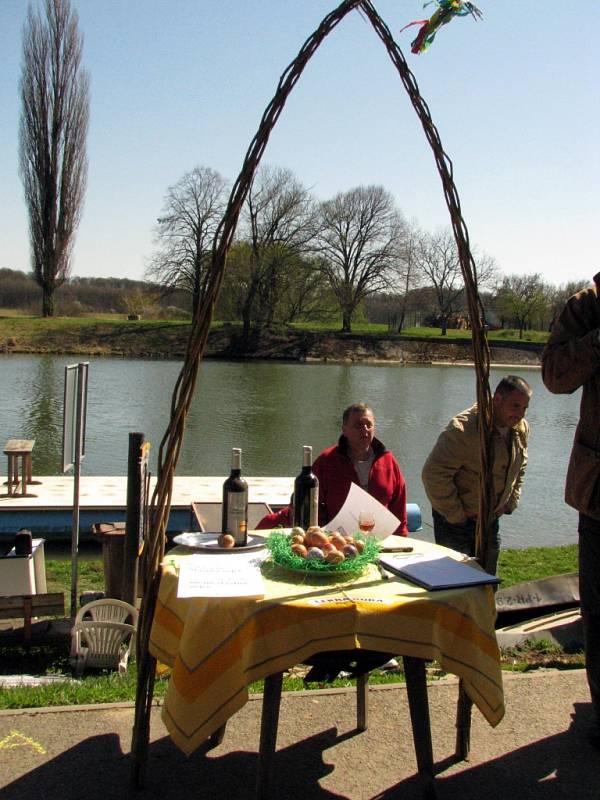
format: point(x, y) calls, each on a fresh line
point(451, 472)
point(571, 360)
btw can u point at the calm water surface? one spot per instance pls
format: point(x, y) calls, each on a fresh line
point(271, 409)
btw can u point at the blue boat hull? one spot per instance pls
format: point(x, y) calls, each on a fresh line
point(57, 524)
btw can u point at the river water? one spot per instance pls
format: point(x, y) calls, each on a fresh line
point(271, 409)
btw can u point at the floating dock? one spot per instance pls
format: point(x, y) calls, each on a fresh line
point(47, 507)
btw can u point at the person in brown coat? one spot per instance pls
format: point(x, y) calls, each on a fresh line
point(570, 361)
point(451, 474)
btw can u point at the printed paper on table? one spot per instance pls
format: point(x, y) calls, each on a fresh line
point(230, 575)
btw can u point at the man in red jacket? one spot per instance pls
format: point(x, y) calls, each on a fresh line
point(360, 458)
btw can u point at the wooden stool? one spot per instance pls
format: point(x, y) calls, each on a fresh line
point(16, 449)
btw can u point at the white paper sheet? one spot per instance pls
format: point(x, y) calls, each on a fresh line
point(231, 575)
point(358, 500)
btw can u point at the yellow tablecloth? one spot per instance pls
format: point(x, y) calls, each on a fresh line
point(217, 647)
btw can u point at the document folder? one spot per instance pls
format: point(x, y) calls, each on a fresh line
point(438, 573)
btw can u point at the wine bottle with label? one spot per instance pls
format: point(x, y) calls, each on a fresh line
point(235, 502)
point(306, 493)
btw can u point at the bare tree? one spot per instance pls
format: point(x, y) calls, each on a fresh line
point(278, 220)
point(52, 140)
point(305, 294)
point(192, 209)
point(558, 295)
point(408, 275)
point(437, 260)
point(357, 241)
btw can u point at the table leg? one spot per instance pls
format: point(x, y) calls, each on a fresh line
point(268, 733)
point(463, 723)
point(362, 702)
point(24, 475)
point(416, 688)
point(13, 474)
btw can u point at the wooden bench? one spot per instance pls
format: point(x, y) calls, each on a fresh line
point(26, 606)
point(16, 449)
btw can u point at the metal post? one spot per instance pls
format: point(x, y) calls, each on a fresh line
point(135, 516)
point(79, 427)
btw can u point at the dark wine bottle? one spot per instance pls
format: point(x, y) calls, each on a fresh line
point(235, 502)
point(306, 493)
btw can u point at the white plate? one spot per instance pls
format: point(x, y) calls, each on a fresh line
point(210, 542)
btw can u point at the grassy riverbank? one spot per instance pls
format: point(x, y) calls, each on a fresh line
point(515, 566)
point(115, 335)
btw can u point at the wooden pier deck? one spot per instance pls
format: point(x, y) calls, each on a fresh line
point(47, 507)
point(103, 491)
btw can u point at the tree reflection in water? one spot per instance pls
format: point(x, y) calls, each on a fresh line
point(43, 415)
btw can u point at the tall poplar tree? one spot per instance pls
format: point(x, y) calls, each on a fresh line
point(52, 140)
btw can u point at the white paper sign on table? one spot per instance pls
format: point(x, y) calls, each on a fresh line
point(230, 575)
point(356, 501)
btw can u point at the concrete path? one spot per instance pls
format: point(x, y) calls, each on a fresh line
point(539, 750)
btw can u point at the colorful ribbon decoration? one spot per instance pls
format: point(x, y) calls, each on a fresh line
point(447, 9)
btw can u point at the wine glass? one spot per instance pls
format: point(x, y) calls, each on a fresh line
point(366, 521)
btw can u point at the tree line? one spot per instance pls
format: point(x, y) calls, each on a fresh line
point(522, 302)
point(296, 258)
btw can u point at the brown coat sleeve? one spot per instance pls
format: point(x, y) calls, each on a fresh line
point(572, 355)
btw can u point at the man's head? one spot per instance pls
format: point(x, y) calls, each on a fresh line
point(358, 426)
point(511, 400)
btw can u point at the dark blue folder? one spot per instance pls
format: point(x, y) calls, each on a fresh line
point(438, 573)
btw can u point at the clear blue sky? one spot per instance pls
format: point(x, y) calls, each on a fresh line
point(180, 83)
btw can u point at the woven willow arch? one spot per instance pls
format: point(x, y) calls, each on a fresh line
point(171, 443)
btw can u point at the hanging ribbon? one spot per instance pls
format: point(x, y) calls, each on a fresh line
point(447, 10)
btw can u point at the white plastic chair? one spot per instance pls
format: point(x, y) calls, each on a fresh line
point(109, 609)
point(100, 638)
point(101, 645)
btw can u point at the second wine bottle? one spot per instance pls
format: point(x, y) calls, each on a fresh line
point(306, 493)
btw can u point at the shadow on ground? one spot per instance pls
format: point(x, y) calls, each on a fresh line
point(553, 768)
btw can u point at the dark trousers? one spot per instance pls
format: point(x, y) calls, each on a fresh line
point(462, 538)
point(589, 596)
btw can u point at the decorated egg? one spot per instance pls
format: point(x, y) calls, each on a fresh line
point(297, 531)
point(359, 544)
point(337, 540)
point(297, 538)
point(226, 540)
point(299, 550)
point(334, 556)
point(315, 554)
point(315, 537)
point(350, 551)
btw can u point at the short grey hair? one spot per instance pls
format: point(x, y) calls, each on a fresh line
point(513, 383)
point(359, 408)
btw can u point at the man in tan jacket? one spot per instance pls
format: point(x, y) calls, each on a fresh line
point(570, 361)
point(451, 472)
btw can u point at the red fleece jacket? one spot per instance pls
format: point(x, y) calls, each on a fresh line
point(335, 471)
